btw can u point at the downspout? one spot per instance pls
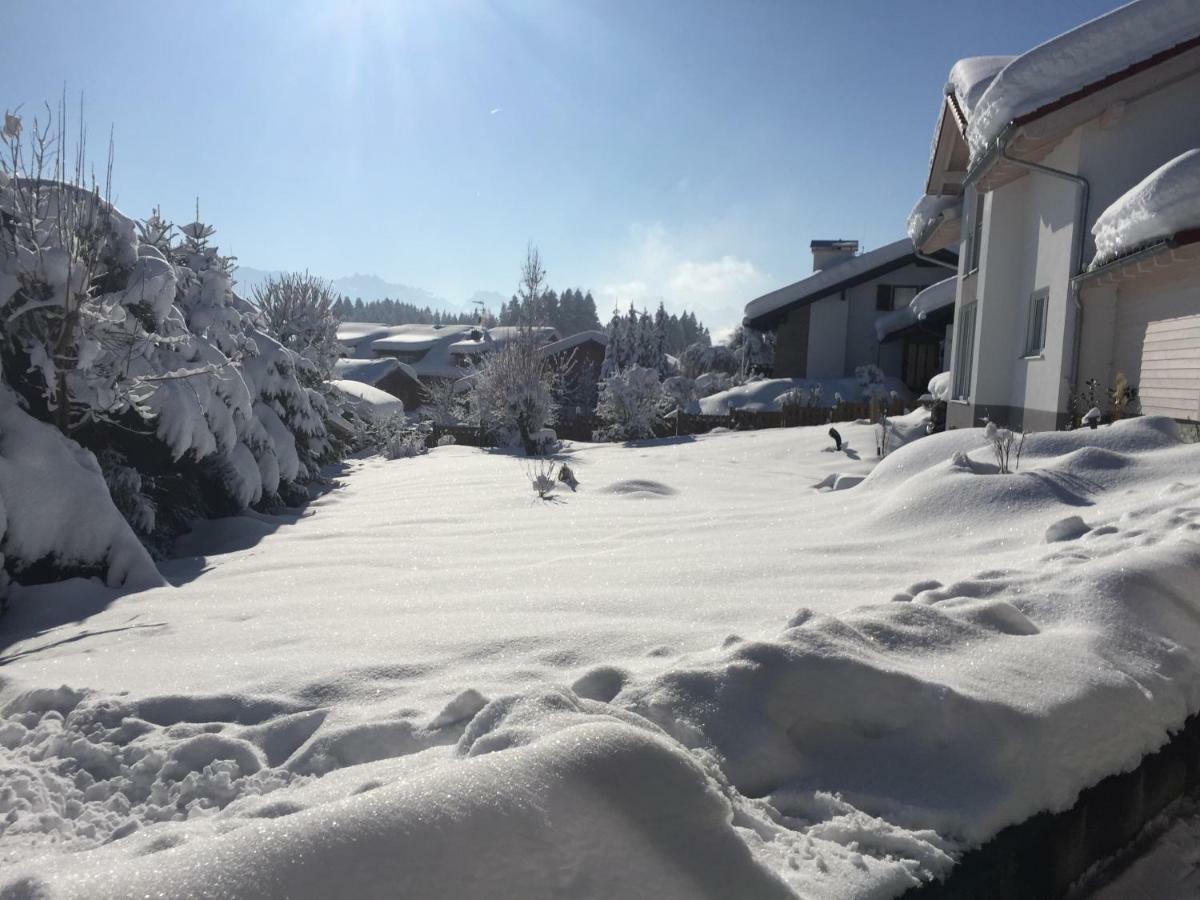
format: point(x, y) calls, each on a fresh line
point(1083, 191)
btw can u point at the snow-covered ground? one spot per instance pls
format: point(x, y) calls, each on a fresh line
point(695, 676)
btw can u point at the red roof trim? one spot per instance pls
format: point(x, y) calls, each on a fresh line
point(1096, 86)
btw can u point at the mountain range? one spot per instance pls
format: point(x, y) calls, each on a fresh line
point(372, 287)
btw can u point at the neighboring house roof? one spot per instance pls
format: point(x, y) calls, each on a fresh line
point(934, 298)
point(412, 338)
point(767, 311)
point(489, 339)
point(371, 371)
point(570, 343)
point(1045, 93)
point(369, 400)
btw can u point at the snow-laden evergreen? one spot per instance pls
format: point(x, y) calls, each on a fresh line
point(129, 337)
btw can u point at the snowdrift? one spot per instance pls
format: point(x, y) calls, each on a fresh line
point(55, 506)
point(1047, 635)
point(763, 396)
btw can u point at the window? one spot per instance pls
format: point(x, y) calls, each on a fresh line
point(964, 354)
point(976, 233)
point(902, 296)
point(883, 297)
point(1035, 326)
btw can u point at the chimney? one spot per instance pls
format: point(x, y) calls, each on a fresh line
point(827, 254)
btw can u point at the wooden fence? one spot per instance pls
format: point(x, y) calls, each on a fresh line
point(584, 428)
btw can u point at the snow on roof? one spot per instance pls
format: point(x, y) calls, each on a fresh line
point(371, 400)
point(1159, 206)
point(497, 337)
point(936, 296)
point(929, 214)
point(828, 280)
point(371, 371)
point(356, 331)
point(420, 337)
point(1078, 58)
point(575, 340)
point(969, 79)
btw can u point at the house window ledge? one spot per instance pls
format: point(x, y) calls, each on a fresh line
point(1034, 357)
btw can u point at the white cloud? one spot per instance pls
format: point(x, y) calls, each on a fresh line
point(721, 276)
point(687, 272)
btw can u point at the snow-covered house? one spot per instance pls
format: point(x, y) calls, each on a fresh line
point(1031, 159)
point(393, 377)
point(825, 324)
point(469, 350)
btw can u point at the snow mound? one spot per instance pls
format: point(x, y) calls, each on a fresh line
point(544, 820)
point(55, 505)
point(1078, 58)
point(764, 396)
point(639, 487)
point(1162, 204)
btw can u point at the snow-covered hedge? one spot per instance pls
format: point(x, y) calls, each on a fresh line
point(129, 338)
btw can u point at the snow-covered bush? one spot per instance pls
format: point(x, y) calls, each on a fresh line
point(395, 437)
point(679, 392)
point(712, 383)
point(629, 403)
point(1004, 443)
point(871, 380)
point(755, 350)
point(513, 389)
point(446, 440)
point(443, 404)
point(130, 339)
point(699, 358)
point(540, 474)
point(298, 310)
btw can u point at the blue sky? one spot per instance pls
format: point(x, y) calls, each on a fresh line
point(687, 151)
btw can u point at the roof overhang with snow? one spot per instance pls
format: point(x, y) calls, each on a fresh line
point(766, 312)
point(950, 157)
point(1180, 251)
point(1033, 136)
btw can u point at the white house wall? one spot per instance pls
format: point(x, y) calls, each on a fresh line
point(1027, 245)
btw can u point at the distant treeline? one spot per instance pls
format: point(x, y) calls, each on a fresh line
point(397, 312)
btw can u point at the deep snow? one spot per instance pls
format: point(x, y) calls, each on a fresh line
point(431, 679)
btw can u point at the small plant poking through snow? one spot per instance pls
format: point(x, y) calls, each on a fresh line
point(1004, 443)
point(540, 473)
